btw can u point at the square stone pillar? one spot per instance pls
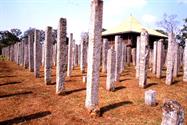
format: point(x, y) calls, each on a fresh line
point(159, 58)
point(70, 55)
point(31, 52)
point(48, 55)
point(37, 53)
point(104, 55)
point(185, 62)
point(144, 54)
point(118, 43)
point(133, 53)
point(94, 53)
point(26, 55)
point(176, 60)
point(170, 58)
point(111, 61)
point(138, 45)
point(122, 63)
point(150, 97)
point(83, 51)
point(155, 57)
point(61, 56)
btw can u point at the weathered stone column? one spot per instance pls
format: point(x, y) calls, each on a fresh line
point(122, 63)
point(185, 62)
point(61, 57)
point(170, 58)
point(159, 58)
point(83, 51)
point(128, 55)
point(118, 57)
point(104, 55)
point(76, 52)
point(173, 113)
point(138, 45)
point(111, 60)
point(36, 53)
point(26, 61)
point(155, 57)
point(48, 55)
point(176, 60)
point(54, 54)
point(144, 54)
point(31, 52)
point(69, 68)
point(133, 53)
point(95, 30)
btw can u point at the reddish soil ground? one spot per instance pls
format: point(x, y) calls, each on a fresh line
point(27, 100)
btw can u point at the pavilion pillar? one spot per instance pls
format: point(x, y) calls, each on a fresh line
point(144, 54)
point(138, 45)
point(76, 54)
point(94, 45)
point(83, 52)
point(48, 55)
point(31, 52)
point(37, 53)
point(155, 57)
point(128, 55)
point(170, 58)
point(122, 63)
point(61, 57)
point(69, 68)
point(26, 61)
point(159, 58)
point(111, 60)
point(104, 55)
point(118, 57)
point(176, 60)
point(185, 62)
point(133, 53)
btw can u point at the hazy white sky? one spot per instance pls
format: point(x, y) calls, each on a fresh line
point(23, 14)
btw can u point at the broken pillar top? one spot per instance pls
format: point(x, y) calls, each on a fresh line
point(171, 105)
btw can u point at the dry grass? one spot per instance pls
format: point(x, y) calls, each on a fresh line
point(26, 100)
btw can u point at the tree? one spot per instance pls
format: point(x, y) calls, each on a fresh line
point(169, 23)
point(183, 33)
point(16, 32)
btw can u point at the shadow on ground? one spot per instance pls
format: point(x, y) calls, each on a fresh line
point(113, 106)
point(22, 119)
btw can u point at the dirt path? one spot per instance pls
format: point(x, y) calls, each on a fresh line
point(26, 100)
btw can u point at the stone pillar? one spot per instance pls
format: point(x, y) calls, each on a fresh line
point(170, 58)
point(122, 63)
point(61, 57)
point(48, 55)
point(128, 55)
point(104, 55)
point(176, 60)
point(173, 113)
point(37, 53)
point(155, 57)
point(185, 62)
point(138, 45)
point(31, 52)
point(144, 54)
point(159, 58)
point(95, 32)
point(76, 55)
point(111, 61)
point(43, 54)
point(26, 61)
point(83, 51)
point(69, 68)
point(150, 97)
point(118, 57)
point(133, 53)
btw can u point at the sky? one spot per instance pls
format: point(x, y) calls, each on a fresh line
point(39, 14)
